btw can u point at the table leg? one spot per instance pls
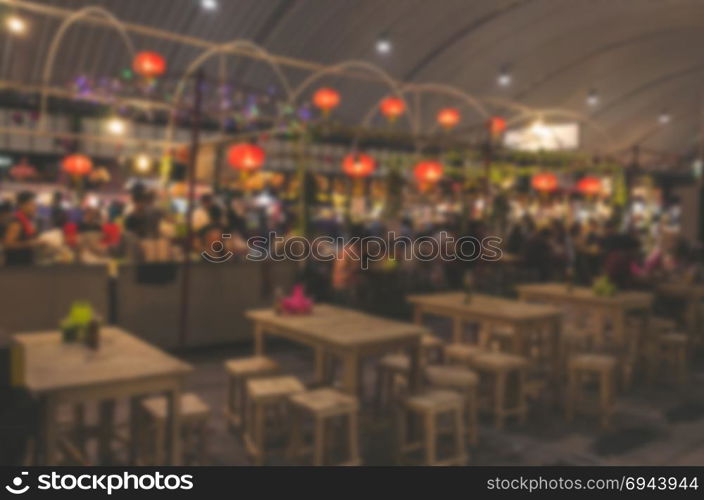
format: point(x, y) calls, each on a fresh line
point(351, 375)
point(106, 422)
point(320, 366)
point(48, 445)
point(414, 377)
point(135, 436)
point(173, 427)
point(79, 426)
point(457, 330)
point(258, 339)
point(418, 315)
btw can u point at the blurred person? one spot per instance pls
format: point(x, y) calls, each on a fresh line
point(5, 218)
point(20, 240)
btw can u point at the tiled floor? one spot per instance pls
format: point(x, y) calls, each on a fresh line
point(653, 425)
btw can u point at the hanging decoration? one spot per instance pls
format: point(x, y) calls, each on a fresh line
point(326, 99)
point(358, 165)
point(589, 186)
point(428, 172)
point(448, 118)
point(545, 182)
point(392, 107)
point(246, 157)
point(149, 64)
point(77, 165)
point(496, 126)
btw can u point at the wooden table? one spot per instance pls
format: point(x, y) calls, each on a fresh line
point(615, 307)
point(490, 311)
point(342, 333)
point(123, 367)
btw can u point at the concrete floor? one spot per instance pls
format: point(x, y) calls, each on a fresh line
point(658, 424)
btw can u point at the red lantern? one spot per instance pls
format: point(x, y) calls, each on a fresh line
point(149, 64)
point(78, 165)
point(326, 99)
point(392, 107)
point(245, 156)
point(589, 186)
point(358, 165)
point(496, 126)
point(448, 117)
point(545, 183)
point(428, 172)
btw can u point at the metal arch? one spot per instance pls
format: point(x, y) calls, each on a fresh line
point(339, 67)
point(56, 41)
point(458, 35)
point(220, 50)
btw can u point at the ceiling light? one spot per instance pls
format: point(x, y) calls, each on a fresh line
point(209, 4)
point(16, 25)
point(383, 45)
point(116, 126)
point(504, 79)
point(593, 98)
point(664, 118)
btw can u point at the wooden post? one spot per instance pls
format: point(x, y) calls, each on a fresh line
point(188, 244)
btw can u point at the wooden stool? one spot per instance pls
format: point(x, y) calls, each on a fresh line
point(323, 405)
point(263, 394)
point(390, 371)
point(672, 353)
point(432, 347)
point(503, 338)
point(152, 427)
point(239, 370)
point(466, 382)
point(602, 366)
point(429, 406)
point(500, 366)
point(462, 354)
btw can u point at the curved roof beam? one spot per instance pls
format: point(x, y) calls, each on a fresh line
point(599, 51)
point(56, 43)
point(458, 35)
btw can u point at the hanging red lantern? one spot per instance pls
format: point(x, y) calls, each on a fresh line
point(149, 64)
point(392, 107)
point(428, 172)
point(245, 156)
point(545, 182)
point(77, 165)
point(326, 99)
point(589, 186)
point(448, 118)
point(496, 126)
point(358, 165)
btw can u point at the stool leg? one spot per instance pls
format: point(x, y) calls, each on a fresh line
point(459, 436)
point(159, 443)
point(472, 421)
point(430, 438)
point(500, 396)
point(319, 441)
point(259, 424)
point(605, 391)
point(354, 437)
point(401, 433)
point(572, 383)
point(522, 405)
point(294, 450)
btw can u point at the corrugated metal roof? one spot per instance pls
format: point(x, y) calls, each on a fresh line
point(641, 55)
